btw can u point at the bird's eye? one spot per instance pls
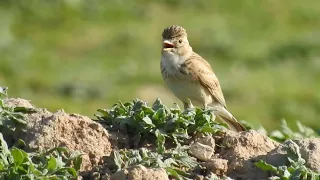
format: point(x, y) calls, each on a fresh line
point(180, 41)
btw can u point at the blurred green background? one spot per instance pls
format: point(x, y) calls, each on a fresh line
point(82, 55)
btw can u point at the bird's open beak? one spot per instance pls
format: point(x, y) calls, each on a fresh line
point(167, 44)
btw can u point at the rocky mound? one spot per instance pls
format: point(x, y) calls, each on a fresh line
point(227, 154)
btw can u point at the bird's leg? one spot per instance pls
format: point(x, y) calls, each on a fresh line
point(205, 106)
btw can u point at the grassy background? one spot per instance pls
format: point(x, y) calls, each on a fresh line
point(83, 55)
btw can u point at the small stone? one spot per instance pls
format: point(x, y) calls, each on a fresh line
point(201, 151)
point(94, 126)
point(207, 140)
point(139, 172)
point(217, 166)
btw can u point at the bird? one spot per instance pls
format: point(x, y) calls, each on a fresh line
point(191, 78)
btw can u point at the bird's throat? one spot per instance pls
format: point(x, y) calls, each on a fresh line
point(172, 62)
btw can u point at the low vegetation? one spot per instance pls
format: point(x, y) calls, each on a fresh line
point(11, 118)
point(161, 125)
point(15, 163)
point(161, 137)
point(164, 125)
point(296, 168)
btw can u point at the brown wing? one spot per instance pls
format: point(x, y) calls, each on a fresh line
point(203, 72)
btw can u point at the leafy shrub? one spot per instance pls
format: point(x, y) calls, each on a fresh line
point(142, 122)
point(53, 164)
point(296, 168)
point(165, 125)
point(286, 133)
point(11, 117)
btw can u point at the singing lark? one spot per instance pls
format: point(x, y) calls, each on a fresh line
point(191, 78)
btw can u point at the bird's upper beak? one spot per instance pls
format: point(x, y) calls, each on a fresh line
point(167, 44)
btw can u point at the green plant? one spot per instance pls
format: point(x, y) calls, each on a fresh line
point(54, 164)
point(162, 124)
point(176, 161)
point(286, 133)
point(143, 122)
point(296, 168)
point(11, 117)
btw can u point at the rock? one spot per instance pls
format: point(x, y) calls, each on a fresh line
point(201, 151)
point(242, 150)
point(46, 130)
point(309, 150)
point(207, 140)
point(140, 172)
point(217, 166)
point(17, 102)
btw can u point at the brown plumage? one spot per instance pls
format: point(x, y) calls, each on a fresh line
point(191, 78)
point(173, 32)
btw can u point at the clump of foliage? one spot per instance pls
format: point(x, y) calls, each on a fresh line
point(15, 163)
point(296, 168)
point(140, 121)
point(53, 164)
point(11, 118)
point(286, 133)
point(165, 125)
point(174, 161)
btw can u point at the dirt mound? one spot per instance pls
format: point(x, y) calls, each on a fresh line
point(46, 130)
point(242, 150)
point(227, 154)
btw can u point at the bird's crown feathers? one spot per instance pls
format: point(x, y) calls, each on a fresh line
point(174, 31)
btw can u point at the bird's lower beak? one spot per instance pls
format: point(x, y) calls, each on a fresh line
point(167, 44)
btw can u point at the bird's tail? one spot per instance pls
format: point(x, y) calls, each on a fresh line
point(232, 123)
point(229, 119)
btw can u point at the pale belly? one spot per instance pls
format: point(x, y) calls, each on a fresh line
point(185, 90)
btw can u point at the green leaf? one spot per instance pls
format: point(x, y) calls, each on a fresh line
point(160, 141)
point(159, 116)
point(76, 157)
point(157, 105)
point(20, 144)
point(147, 110)
point(52, 164)
point(72, 171)
point(19, 120)
point(187, 161)
point(23, 110)
point(17, 156)
point(104, 112)
point(117, 159)
point(148, 121)
point(265, 166)
point(173, 172)
point(207, 129)
point(169, 162)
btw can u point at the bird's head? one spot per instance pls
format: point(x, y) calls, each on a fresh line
point(175, 40)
